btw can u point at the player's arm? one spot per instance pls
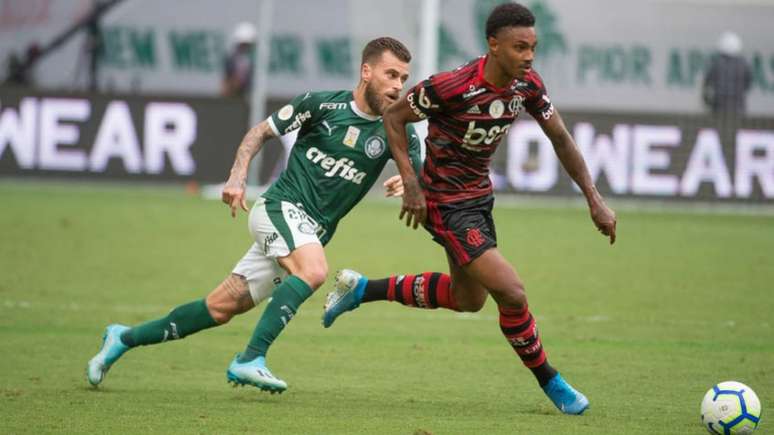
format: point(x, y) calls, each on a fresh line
point(395, 119)
point(394, 184)
point(567, 151)
point(234, 190)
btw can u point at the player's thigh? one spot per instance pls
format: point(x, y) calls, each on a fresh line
point(284, 232)
point(260, 272)
point(469, 294)
point(498, 276)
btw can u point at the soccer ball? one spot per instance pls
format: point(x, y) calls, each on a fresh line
point(730, 408)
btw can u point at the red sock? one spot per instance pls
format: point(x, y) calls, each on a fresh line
point(428, 290)
point(520, 330)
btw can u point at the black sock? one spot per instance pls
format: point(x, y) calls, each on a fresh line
point(544, 373)
point(376, 290)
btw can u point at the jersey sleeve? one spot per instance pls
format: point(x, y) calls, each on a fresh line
point(425, 99)
point(537, 103)
point(294, 115)
point(414, 149)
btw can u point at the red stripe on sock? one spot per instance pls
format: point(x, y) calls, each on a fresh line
point(391, 289)
point(537, 361)
point(444, 294)
point(513, 317)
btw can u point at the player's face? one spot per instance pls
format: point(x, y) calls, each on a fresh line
point(514, 50)
point(384, 81)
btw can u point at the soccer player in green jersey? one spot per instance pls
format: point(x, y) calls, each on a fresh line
point(339, 153)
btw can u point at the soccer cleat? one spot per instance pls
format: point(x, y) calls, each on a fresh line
point(565, 397)
point(346, 296)
point(112, 349)
point(254, 373)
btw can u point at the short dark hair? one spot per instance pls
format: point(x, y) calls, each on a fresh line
point(376, 47)
point(508, 15)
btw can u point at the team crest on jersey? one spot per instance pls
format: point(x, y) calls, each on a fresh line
point(496, 109)
point(350, 139)
point(285, 113)
point(374, 147)
point(516, 105)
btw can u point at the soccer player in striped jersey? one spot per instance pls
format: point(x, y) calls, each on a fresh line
point(469, 111)
point(340, 151)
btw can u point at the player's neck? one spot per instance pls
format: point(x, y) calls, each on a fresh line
point(494, 74)
point(360, 100)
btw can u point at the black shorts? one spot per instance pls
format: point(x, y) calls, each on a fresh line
point(466, 229)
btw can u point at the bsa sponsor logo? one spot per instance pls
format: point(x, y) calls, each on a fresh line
point(422, 100)
point(548, 113)
point(478, 135)
point(374, 147)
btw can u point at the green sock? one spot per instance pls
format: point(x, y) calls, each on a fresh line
point(286, 299)
point(181, 321)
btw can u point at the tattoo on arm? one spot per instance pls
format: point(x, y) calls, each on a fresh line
point(251, 144)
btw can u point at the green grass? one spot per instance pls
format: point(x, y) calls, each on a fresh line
point(644, 328)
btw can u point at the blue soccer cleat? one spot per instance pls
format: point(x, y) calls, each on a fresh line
point(112, 349)
point(346, 295)
point(565, 397)
point(254, 373)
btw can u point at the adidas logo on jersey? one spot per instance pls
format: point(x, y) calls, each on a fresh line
point(474, 110)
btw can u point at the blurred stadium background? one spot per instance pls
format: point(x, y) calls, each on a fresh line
point(113, 117)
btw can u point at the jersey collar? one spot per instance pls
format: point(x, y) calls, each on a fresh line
point(362, 114)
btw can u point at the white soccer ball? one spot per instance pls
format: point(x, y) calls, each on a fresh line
point(730, 408)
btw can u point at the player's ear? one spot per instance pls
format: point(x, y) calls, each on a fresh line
point(493, 45)
point(365, 72)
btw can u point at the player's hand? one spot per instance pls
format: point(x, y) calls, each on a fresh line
point(394, 186)
point(414, 206)
point(234, 195)
point(604, 219)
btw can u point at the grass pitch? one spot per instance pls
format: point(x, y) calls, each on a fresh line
point(644, 328)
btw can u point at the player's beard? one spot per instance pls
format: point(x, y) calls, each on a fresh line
point(373, 99)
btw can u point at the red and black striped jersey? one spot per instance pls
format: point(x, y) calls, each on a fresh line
point(467, 118)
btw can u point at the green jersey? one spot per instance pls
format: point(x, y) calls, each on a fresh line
point(338, 155)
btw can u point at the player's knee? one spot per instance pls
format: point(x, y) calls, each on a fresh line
point(314, 276)
point(230, 298)
point(472, 305)
point(513, 297)
point(220, 312)
point(518, 297)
